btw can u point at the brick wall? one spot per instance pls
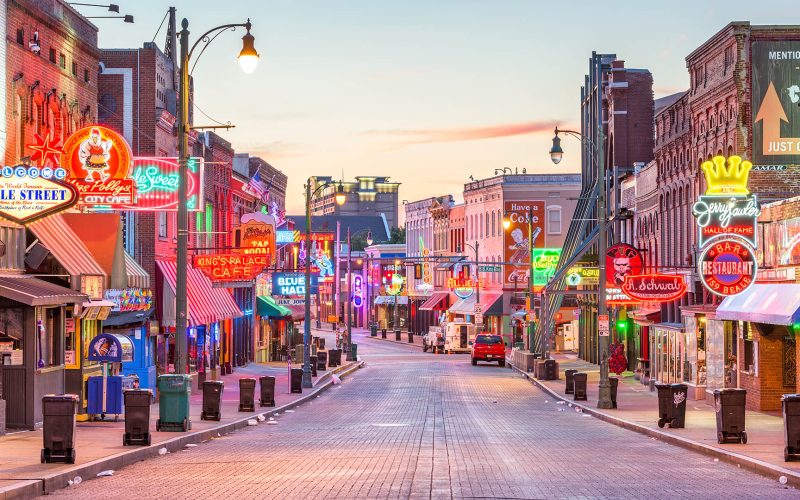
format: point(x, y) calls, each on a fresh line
point(765, 389)
point(43, 96)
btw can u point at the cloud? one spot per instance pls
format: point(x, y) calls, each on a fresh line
point(409, 137)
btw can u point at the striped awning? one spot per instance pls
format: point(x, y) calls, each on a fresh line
point(206, 304)
point(437, 302)
point(55, 234)
point(137, 276)
point(298, 312)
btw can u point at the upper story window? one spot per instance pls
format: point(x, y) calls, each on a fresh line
point(554, 220)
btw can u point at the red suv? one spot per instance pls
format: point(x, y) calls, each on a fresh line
point(489, 348)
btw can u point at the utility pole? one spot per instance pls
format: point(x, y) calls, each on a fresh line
point(349, 296)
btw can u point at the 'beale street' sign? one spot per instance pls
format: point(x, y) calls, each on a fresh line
point(28, 193)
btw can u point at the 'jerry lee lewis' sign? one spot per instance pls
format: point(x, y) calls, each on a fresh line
point(28, 193)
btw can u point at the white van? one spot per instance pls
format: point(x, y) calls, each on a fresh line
point(458, 337)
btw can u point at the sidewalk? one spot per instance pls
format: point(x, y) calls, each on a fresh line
point(99, 444)
point(390, 336)
point(638, 411)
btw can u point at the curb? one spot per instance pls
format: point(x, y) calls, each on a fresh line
point(48, 483)
point(743, 461)
point(394, 341)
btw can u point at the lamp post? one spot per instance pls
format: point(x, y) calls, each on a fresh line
point(556, 153)
point(340, 198)
point(477, 278)
point(350, 291)
point(248, 59)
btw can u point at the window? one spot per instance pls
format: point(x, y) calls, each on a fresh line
point(553, 220)
point(74, 68)
point(86, 75)
point(62, 61)
point(749, 347)
point(21, 36)
point(52, 55)
point(162, 224)
point(50, 331)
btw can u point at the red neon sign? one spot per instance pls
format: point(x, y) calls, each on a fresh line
point(231, 267)
point(654, 287)
point(727, 266)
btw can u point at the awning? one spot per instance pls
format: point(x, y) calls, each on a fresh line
point(137, 276)
point(298, 312)
point(390, 300)
point(206, 304)
point(436, 302)
point(268, 308)
point(774, 304)
point(65, 245)
point(35, 292)
point(490, 305)
point(127, 318)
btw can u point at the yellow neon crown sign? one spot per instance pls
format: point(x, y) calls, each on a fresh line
point(726, 180)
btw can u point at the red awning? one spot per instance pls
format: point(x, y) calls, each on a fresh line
point(436, 302)
point(206, 304)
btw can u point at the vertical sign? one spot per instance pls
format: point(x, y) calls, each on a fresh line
point(515, 248)
point(602, 325)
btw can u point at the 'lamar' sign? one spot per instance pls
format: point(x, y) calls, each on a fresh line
point(231, 267)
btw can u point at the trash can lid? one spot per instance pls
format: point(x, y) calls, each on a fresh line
point(60, 397)
point(790, 397)
point(729, 390)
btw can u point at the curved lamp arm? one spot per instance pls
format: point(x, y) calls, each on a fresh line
point(577, 135)
point(204, 38)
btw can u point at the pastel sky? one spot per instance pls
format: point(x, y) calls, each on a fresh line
point(426, 92)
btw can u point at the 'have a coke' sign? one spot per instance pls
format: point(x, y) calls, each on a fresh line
point(654, 287)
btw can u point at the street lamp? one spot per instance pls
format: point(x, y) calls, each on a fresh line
point(248, 56)
point(186, 53)
point(556, 153)
point(340, 199)
point(531, 242)
point(350, 285)
point(477, 278)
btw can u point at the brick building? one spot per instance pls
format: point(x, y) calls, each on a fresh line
point(366, 195)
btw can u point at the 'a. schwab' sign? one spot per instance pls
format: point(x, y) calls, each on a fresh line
point(286, 284)
point(28, 192)
point(231, 267)
point(727, 217)
point(654, 287)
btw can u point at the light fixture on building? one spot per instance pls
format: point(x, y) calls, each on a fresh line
point(506, 222)
point(340, 196)
point(369, 238)
point(556, 153)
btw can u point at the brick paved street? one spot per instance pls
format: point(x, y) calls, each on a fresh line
point(414, 425)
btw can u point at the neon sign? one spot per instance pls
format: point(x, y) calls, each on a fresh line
point(257, 238)
point(358, 290)
point(545, 262)
point(231, 267)
point(727, 266)
point(622, 260)
point(286, 284)
point(98, 161)
point(727, 216)
point(28, 193)
point(655, 287)
point(156, 182)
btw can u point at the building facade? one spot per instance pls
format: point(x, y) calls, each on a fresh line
point(364, 196)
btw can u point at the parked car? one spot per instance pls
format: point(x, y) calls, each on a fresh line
point(433, 340)
point(487, 347)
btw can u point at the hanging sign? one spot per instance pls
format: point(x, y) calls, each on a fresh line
point(28, 193)
point(129, 299)
point(523, 216)
point(622, 260)
point(583, 275)
point(358, 290)
point(654, 287)
point(545, 262)
point(156, 181)
point(463, 287)
point(727, 266)
point(257, 238)
point(293, 284)
point(98, 162)
point(231, 267)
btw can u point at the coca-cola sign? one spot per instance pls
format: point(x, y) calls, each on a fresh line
point(654, 287)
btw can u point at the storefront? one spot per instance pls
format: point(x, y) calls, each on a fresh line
point(243, 327)
point(274, 330)
point(492, 311)
point(385, 306)
point(761, 321)
point(431, 310)
point(210, 314)
point(32, 358)
point(643, 320)
point(667, 351)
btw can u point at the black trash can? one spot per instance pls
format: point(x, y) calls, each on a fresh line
point(212, 396)
point(297, 381)
point(729, 408)
point(247, 394)
point(397, 335)
point(383, 333)
point(550, 369)
point(410, 337)
point(267, 390)
point(313, 360)
point(321, 343)
point(672, 405)
point(58, 429)
point(790, 403)
point(570, 388)
point(137, 417)
point(334, 357)
point(322, 360)
point(353, 354)
point(579, 380)
point(613, 383)
point(373, 330)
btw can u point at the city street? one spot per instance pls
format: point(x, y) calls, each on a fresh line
point(414, 425)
